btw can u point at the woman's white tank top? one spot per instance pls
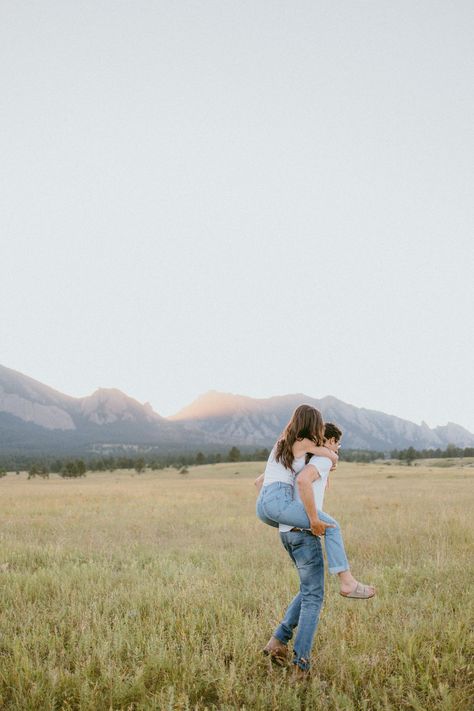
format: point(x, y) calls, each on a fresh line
point(276, 471)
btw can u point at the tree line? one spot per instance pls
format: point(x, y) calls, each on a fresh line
point(410, 454)
point(74, 465)
point(77, 467)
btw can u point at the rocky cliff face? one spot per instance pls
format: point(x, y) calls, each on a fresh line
point(35, 417)
point(34, 402)
point(109, 405)
point(249, 421)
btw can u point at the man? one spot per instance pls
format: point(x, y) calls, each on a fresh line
point(305, 551)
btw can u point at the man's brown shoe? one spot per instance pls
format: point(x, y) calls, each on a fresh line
point(277, 651)
point(299, 675)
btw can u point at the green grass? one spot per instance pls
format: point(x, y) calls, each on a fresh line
point(158, 591)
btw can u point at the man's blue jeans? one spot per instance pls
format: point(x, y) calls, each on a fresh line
point(276, 504)
point(305, 551)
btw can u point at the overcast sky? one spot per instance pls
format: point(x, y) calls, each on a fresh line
point(259, 197)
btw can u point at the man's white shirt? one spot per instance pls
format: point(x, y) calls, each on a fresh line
point(323, 465)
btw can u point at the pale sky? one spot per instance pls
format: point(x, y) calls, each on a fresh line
point(259, 197)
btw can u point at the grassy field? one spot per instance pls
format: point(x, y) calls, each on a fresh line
point(157, 591)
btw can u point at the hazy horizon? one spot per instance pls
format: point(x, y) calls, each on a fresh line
point(254, 197)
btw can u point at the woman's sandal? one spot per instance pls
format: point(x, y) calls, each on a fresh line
point(360, 592)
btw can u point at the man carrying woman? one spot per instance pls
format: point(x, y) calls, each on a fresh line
point(297, 510)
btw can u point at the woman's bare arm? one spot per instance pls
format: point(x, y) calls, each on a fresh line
point(305, 446)
point(259, 482)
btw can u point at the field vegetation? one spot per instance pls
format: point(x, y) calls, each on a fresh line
point(158, 590)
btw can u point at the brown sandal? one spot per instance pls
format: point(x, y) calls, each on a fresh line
point(360, 592)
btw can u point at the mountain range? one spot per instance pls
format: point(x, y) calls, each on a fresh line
point(35, 418)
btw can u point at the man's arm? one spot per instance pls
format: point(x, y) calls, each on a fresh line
point(304, 482)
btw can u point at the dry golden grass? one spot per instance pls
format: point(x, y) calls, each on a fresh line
point(157, 591)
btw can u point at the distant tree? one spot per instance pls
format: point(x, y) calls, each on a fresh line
point(3, 472)
point(33, 471)
point(68, 470)
point(43, 472)
point(73, 469)
point(200, 458)
point(234, 455)
point(453, 451)
point(140, 465)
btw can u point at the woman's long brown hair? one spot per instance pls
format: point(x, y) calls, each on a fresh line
point(306, 421)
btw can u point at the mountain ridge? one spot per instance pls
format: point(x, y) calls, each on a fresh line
point(364, 428)
point(35, 416)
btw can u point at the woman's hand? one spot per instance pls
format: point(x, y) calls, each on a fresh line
point(259, 482)
point(333, 456)
point(318, 527)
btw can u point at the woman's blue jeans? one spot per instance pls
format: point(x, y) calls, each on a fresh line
point(276, 504)
point(305, 551)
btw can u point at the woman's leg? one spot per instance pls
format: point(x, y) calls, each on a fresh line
point(271, 500)
point(275, 505)
point(338, 563)
point(295, 515)
point(290, 512)
point(334, 545)
point(261, 514)
point(279, 507)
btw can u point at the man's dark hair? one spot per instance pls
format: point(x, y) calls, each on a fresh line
point(332, 430)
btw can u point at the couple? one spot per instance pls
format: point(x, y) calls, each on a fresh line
point(306, 452)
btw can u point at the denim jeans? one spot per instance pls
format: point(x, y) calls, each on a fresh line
point(276, 504)
point(305, 551)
